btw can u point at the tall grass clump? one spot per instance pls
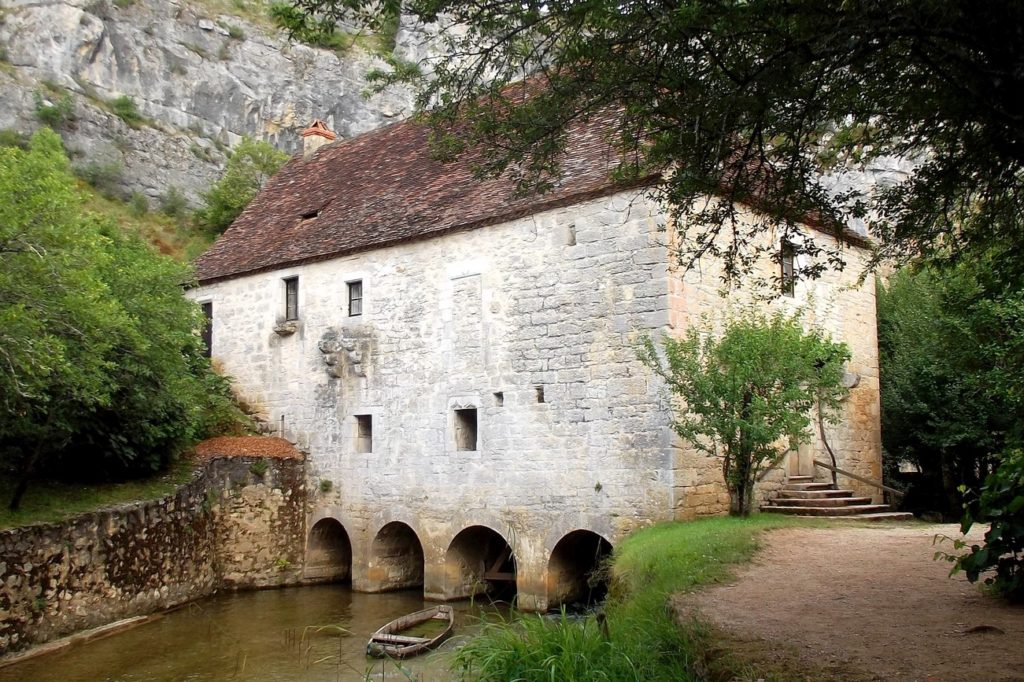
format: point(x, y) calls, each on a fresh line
point(637, 636)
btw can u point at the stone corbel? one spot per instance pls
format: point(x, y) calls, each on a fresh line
point(286, 328)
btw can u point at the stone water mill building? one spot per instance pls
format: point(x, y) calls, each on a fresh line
point(459, 363)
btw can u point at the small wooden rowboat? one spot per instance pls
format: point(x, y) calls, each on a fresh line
point(389, 642)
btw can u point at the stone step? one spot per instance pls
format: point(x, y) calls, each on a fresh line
point(800, 479)
point(815, 494)
point(785, 501)
point(878, 516)
point(808, 486)
point(852, 510)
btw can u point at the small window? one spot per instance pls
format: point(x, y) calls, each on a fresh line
point(355, 298)
point(788, 260)
point(465, 429)
point(499, 399)
point(291, 298)
point(364, 433)
point(540, 393)
point(207, 329)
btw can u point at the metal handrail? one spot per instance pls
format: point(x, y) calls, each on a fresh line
point(877, 484)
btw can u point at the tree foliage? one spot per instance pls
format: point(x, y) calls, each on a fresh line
point(1001, 505)
point(766, 102)
point(100, 369)
point(951, 344)
point(252, 163)
point(746, 396)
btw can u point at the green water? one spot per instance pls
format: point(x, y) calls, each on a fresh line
point(288, 635)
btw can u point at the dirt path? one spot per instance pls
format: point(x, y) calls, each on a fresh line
point(869, 600)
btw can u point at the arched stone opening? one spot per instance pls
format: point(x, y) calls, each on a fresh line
point(576, 569)
point(480, 561)
point(328, 553)
point(396, 559)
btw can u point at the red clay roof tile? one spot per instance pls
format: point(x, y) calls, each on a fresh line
point(385, 187)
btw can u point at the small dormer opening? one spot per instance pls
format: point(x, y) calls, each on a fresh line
point(310, 215)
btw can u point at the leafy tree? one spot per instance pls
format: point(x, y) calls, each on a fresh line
point(754, 100)
point(1001, 505)
point(252, 163)
point(750, 390)
point(100, 368)
point(951, 345)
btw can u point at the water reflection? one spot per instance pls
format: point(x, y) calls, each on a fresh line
point(301, 634)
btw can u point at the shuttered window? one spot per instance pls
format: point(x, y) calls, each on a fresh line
point(291, 298)
point(355, 298)
point(788, 260)
point(208, 328)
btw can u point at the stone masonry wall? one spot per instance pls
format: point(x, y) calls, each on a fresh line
point(531, 326)
point(838, 304)
point(531, 323)
point(227, 527)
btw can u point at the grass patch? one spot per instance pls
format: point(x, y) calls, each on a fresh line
point(171, 236)
point(637, 637)
point(49, 501)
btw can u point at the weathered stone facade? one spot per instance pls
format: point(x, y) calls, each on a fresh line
point(497, 372)
point(229, 527)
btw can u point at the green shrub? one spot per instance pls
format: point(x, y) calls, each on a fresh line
point(326, 485)
point(138, 204)
point(259, 468)
point(55, 113)
point(1000, 504)
point(248, 168)
point(9, 137)
point(125, 109)
point(105, 176)
point(174, 204)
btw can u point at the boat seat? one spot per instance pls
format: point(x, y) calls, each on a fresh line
point(399, 639)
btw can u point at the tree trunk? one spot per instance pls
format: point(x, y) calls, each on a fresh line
point(23, 481)
point(27, 473)
point(949, 487)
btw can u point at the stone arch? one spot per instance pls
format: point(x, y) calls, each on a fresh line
point(328, 552)
point(396, 559)
point(574, 570)
point(480, 561)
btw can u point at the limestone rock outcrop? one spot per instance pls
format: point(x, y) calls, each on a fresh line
point(199, 77)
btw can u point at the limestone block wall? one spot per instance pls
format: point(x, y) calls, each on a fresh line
point(226, 528)
point(836, 303)
point(530, 323)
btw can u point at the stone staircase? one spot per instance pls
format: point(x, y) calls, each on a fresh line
point(803, 497)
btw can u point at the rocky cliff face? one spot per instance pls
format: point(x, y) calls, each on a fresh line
point(201, 78)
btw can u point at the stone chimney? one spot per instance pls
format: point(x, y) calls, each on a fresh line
point(315, 136)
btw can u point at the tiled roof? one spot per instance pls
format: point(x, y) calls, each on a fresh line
point(384, 187)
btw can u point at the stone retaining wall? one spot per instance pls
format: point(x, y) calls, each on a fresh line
point(234, 525)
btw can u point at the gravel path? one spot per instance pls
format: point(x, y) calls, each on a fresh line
point(870, 600)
